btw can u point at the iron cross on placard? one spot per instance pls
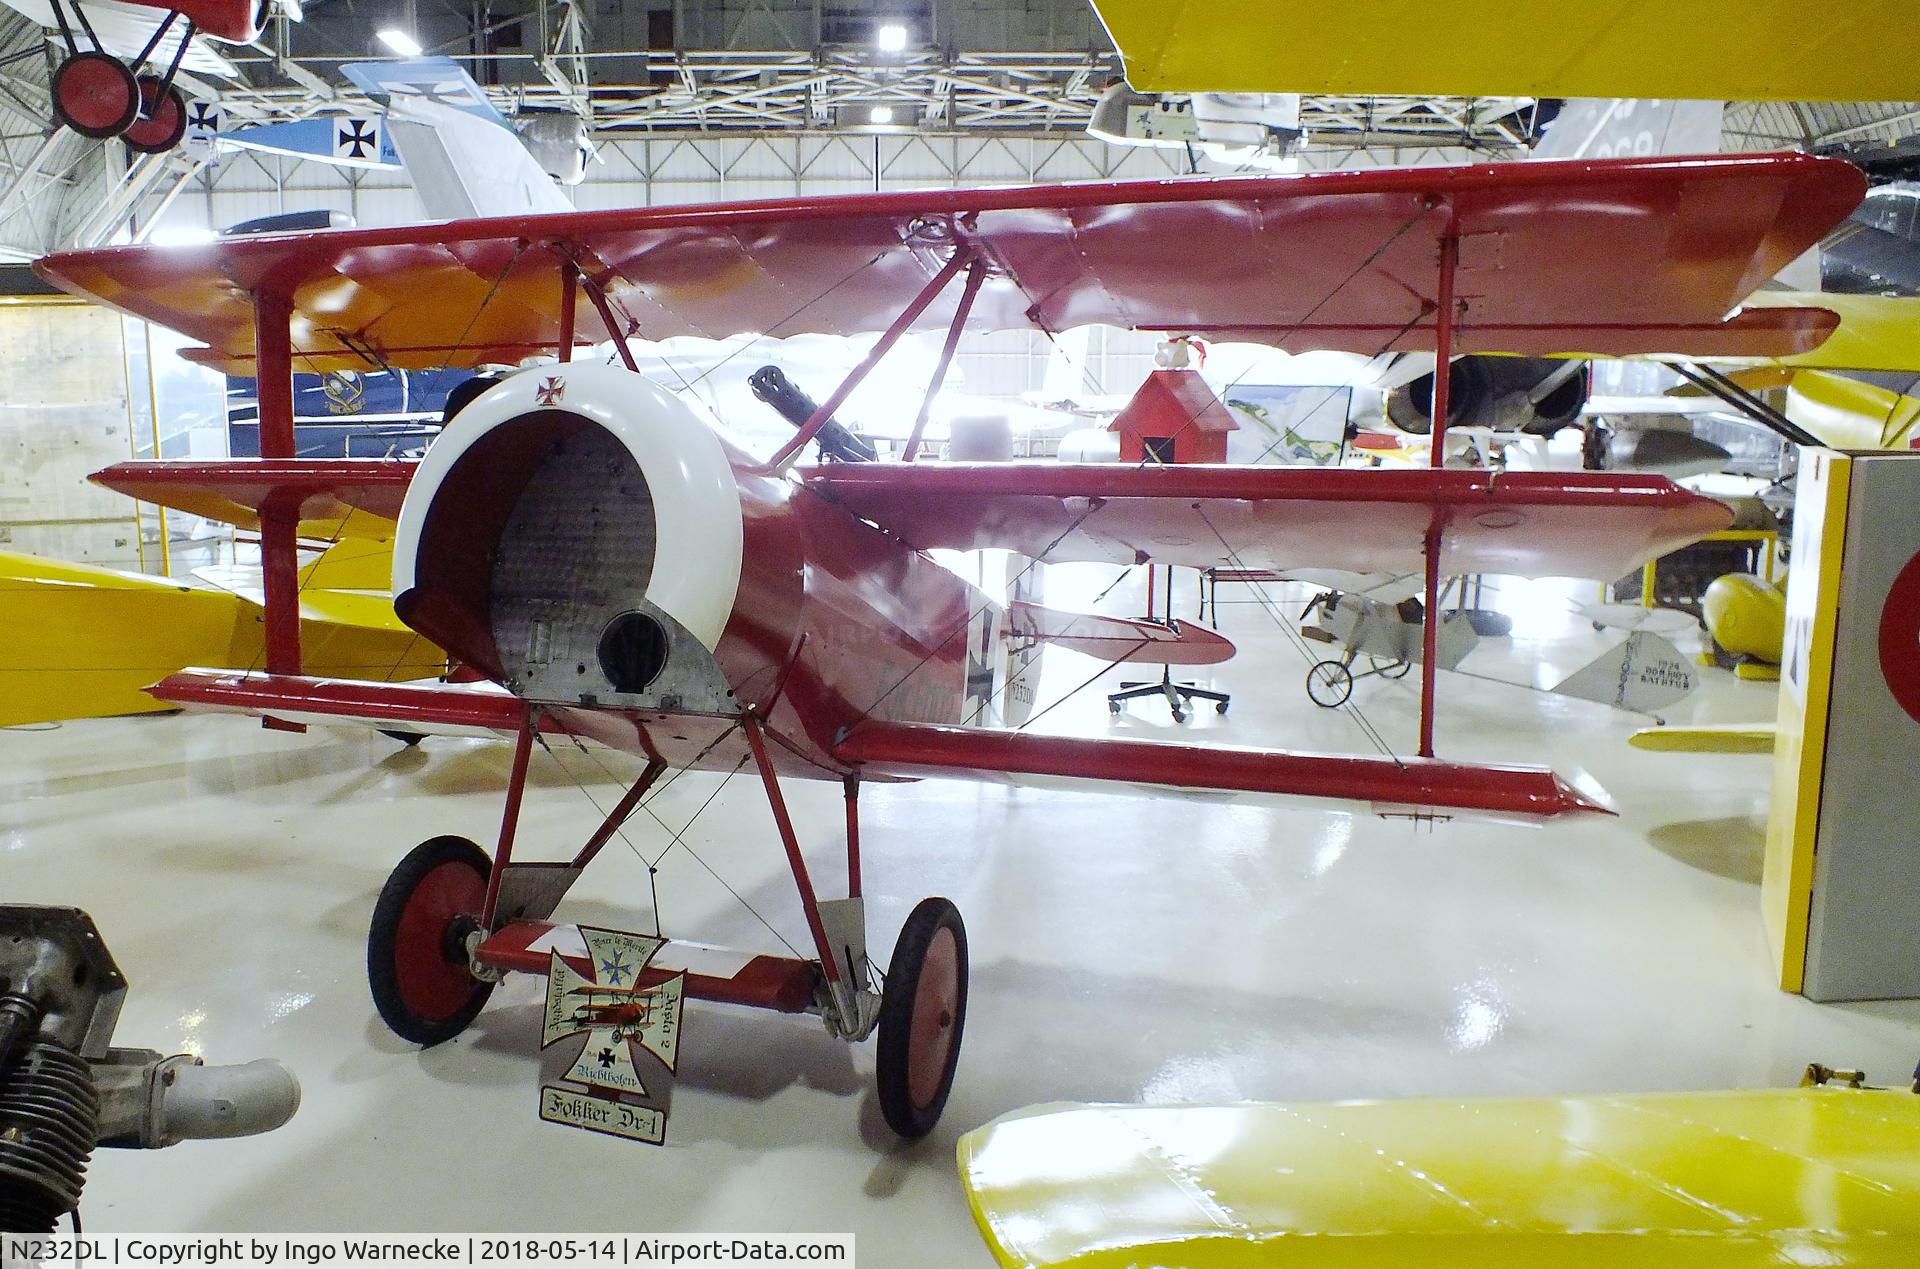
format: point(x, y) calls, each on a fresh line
point(618, 1080)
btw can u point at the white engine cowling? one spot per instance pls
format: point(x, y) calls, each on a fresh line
point(575, 532)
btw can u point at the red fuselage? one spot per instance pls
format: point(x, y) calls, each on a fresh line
point(532, 537)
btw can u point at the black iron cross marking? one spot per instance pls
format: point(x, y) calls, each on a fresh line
point(980, 669)
point(356, 138)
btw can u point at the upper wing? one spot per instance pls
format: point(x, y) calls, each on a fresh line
point(1532, 524)
point(1780, 50)
point(1327, 260)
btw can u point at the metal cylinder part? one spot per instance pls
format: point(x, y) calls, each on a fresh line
point(49, 1115)
point(192, 1102)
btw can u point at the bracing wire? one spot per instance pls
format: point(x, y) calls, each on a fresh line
point(1193, 415)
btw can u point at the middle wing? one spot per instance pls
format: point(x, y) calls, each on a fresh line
point(1530, 524)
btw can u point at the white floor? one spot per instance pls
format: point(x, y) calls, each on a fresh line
point(1125, 947)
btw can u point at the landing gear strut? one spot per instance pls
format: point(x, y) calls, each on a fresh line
point(450, 922)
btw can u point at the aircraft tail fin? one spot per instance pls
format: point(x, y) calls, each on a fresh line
point(1627, 127)
point(463, 166)
point(1642, 674)
point(463, 155)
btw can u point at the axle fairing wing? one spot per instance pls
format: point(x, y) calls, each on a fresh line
point(1529, 524)
point(1608, 257)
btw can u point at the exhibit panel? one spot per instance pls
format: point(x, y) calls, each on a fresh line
point(1842, 876)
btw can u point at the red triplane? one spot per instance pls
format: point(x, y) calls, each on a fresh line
point(580, 537)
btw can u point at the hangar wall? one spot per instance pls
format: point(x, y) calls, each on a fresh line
point(65, 419)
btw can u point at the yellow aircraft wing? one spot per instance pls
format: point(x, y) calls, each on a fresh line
point(1876, 332)
point(1706, 738)
point(82, 642)
point(1779, 50)
point(1818, 1176)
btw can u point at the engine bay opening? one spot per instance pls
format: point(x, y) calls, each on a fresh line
point(570, 572)
point(633, 651)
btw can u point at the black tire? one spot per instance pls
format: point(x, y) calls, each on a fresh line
point(416, 962)
point(912, 1106)
point(1329, 684)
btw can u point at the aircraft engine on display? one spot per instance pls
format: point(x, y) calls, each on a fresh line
point(1508, 394)
point(558, 141)
point(1877, 250)
point(1254, 129)
point(64, 1088)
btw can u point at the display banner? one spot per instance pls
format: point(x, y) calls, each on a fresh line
point(506, 1251)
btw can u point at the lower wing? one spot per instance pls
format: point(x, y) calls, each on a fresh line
point(910, 750)
point(1390, 784)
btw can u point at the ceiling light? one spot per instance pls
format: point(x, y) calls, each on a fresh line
point(892, 38)
point(880, 114)
point(399, 41)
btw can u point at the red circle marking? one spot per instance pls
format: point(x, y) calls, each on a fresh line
point(1900, 639)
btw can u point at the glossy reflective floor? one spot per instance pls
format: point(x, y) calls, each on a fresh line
point(1126, 946)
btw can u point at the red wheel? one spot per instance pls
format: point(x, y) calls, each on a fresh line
point(416, 944)
point(163, 118)
point(922, 1015)
point(95, 94)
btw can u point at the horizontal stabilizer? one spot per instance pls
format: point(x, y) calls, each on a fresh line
point(450, 709)
point(925, 749)
point(236, 490)
point(1119, 639)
